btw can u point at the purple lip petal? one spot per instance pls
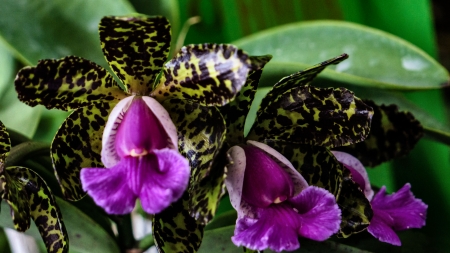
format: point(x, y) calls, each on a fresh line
point(383, 232)
point(275, 229)
point(405, 210)
point(166, 184)
point(109, 189)
point(267, 181)
point(164, 118)
point(359, 173)
point(321, 216)
point(140, 131)
point(235, 176)
point(109, 155)
point(299, 181)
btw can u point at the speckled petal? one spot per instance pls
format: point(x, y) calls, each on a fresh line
point(393, 134)
point(359, 173)
point(236, 111)
point(38, 203)
point(209, 74)
point(315, 116)
point(136, 49)
point(67, 84)
point(77, 145)
point(201, 132)
point(5, 144)
point(109, 188)
point(175, 230)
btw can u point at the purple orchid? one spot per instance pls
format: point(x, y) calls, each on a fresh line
point(275, 204)
point(140, 149)
point(394, 212)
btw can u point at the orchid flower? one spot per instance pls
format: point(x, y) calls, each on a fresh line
point(394, 212)
point(275, 204)
point(135, 132)
point(29, 197)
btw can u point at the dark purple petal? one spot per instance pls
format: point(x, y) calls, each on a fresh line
point(405, 210)
point(321, 216)
point(265, 182)
point(276, 228)
point(359, 173)
point(381, 230)
point(109, 188)
point(164, 183)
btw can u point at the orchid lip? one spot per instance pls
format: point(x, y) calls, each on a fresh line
point(138, 152)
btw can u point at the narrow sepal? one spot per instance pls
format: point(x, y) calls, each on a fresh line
point(236, 111)
point(201, 132)
point(316, 116)
point(5, 143)
point(77, 145)
point(356, 209)
point(393, 134)
point(209, 74)
point(316, 164)
point(67, 84)
point(175, 230)
point(36, 197)
point(16, 196)
point(300, 78)
point(136, 49)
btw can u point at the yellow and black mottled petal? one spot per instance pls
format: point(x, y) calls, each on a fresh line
point(5, 143)
point(42, 208)
point(67, 84)
point(316, 164)
point(356, 209)
point(78, 145)
point(210, 74)
point(136, 49)
point(16, 196)
point(316, 116)
point(201, 133)
point(393, 134)
point(175, 230)
point(300, 78)
point(236, 111)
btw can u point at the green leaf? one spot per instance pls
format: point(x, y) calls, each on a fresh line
point(219, 240)
point(9, 104)
point(377, 59)
point(393, 134)
point(85, 233)
point(53, 29)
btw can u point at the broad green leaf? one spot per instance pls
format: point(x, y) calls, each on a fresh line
point(85, 233)
point(4, 244)
point(377, 59)
point(201, 133)
point(219, 240)
point(393, 134)
point(53, 29)
point(9, 104)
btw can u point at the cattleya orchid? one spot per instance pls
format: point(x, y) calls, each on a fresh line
point(275, 204)
point(28, 196)
point(301, 123)
point(135, 133)
point(398, 211)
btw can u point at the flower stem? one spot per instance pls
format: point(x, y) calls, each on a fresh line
point(25, 150)
point(125, 236)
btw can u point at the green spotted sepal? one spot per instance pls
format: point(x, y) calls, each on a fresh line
point(210, 74)
point(326, 117)
point(29, 197)
point(355, 207)
point(393, 134)
point(201, 133)
point(236, 111)
point(175, 230)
